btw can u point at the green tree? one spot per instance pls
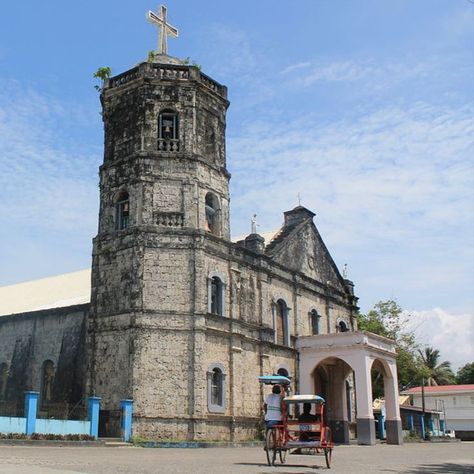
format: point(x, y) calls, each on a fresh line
point(102, 73)
point(383, 319)
point(436, 372)
point(386, 319)
point(465, 374)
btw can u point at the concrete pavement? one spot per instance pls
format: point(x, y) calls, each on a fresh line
point(432, 458)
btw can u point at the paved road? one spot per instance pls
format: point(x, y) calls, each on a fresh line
point(408, 459)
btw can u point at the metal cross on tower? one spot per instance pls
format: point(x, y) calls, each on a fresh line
point(165, 28)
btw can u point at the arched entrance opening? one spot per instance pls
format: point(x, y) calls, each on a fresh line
point(378, 402)
point(385, 400)
point(333, 380)
point(321, 381)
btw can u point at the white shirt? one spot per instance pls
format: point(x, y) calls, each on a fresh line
point(273, 402)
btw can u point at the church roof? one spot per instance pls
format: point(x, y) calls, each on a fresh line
point(438, 389)
point(47, 293)
point(268, 236)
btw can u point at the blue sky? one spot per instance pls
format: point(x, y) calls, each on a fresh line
point(364, 107)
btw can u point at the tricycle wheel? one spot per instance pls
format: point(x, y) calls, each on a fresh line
point(270, 446)
point(282, 456)
point(328, 455)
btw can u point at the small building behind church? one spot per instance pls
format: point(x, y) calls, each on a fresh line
point(455, 403)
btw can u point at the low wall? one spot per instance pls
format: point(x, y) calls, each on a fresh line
point(10, 424)
point(62, 427)
point(32, 424)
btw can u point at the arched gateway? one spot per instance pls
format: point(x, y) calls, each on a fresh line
point(330, 363)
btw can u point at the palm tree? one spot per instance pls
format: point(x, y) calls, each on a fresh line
point(437, 373)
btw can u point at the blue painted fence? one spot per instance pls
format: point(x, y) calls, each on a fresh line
point(30, 424)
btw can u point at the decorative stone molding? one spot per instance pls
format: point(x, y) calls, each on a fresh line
point(168, 73)
point(168, 144)
point(169, 219)
point(346, 340)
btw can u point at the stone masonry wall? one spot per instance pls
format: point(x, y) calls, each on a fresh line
point(27, 341)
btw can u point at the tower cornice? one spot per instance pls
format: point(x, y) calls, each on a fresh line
point(149, 71)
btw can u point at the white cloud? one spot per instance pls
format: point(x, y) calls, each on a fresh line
point(43, 171)
point(451, 333)
point(296, 66)
point(459, 23)
point(377, 73)
point(48, 180)
point(235, 55)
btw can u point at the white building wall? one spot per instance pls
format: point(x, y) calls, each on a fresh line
point(459, 408)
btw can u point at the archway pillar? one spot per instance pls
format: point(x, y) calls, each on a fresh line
point(392, 407)
point(339, 423)
point(362, 365)
point(307, 364)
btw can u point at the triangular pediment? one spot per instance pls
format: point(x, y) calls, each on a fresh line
point(299, 246)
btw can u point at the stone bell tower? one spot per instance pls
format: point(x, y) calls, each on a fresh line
point(163, 188)
point(165, 147)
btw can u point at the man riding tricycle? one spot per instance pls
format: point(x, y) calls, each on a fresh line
point(294, 422)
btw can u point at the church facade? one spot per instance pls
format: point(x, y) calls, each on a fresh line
point(181, 319)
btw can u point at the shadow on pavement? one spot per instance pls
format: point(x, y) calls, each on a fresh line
point(279, 467)
point(442, 468)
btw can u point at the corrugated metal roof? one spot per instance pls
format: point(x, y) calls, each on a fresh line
point(442, 388)
point(54, 292)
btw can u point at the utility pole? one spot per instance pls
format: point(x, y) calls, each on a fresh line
point(423, 404)
point(423, 396)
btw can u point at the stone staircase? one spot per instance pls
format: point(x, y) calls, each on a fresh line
point(114, 443)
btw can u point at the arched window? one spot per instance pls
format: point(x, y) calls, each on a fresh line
point(314, 319)
point(216, 388)
point(47, 381)
point(212, 214)
point(168, 138)
point(281, 326)
point(342, 326)
point(3, 380)
point(216, 295)
point(122, 211)
point(282, 371)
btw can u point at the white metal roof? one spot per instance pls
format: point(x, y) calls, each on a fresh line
point(53, 292)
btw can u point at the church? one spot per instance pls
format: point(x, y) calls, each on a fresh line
point(179, 318)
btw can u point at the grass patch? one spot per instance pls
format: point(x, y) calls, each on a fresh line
point(412, 437)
